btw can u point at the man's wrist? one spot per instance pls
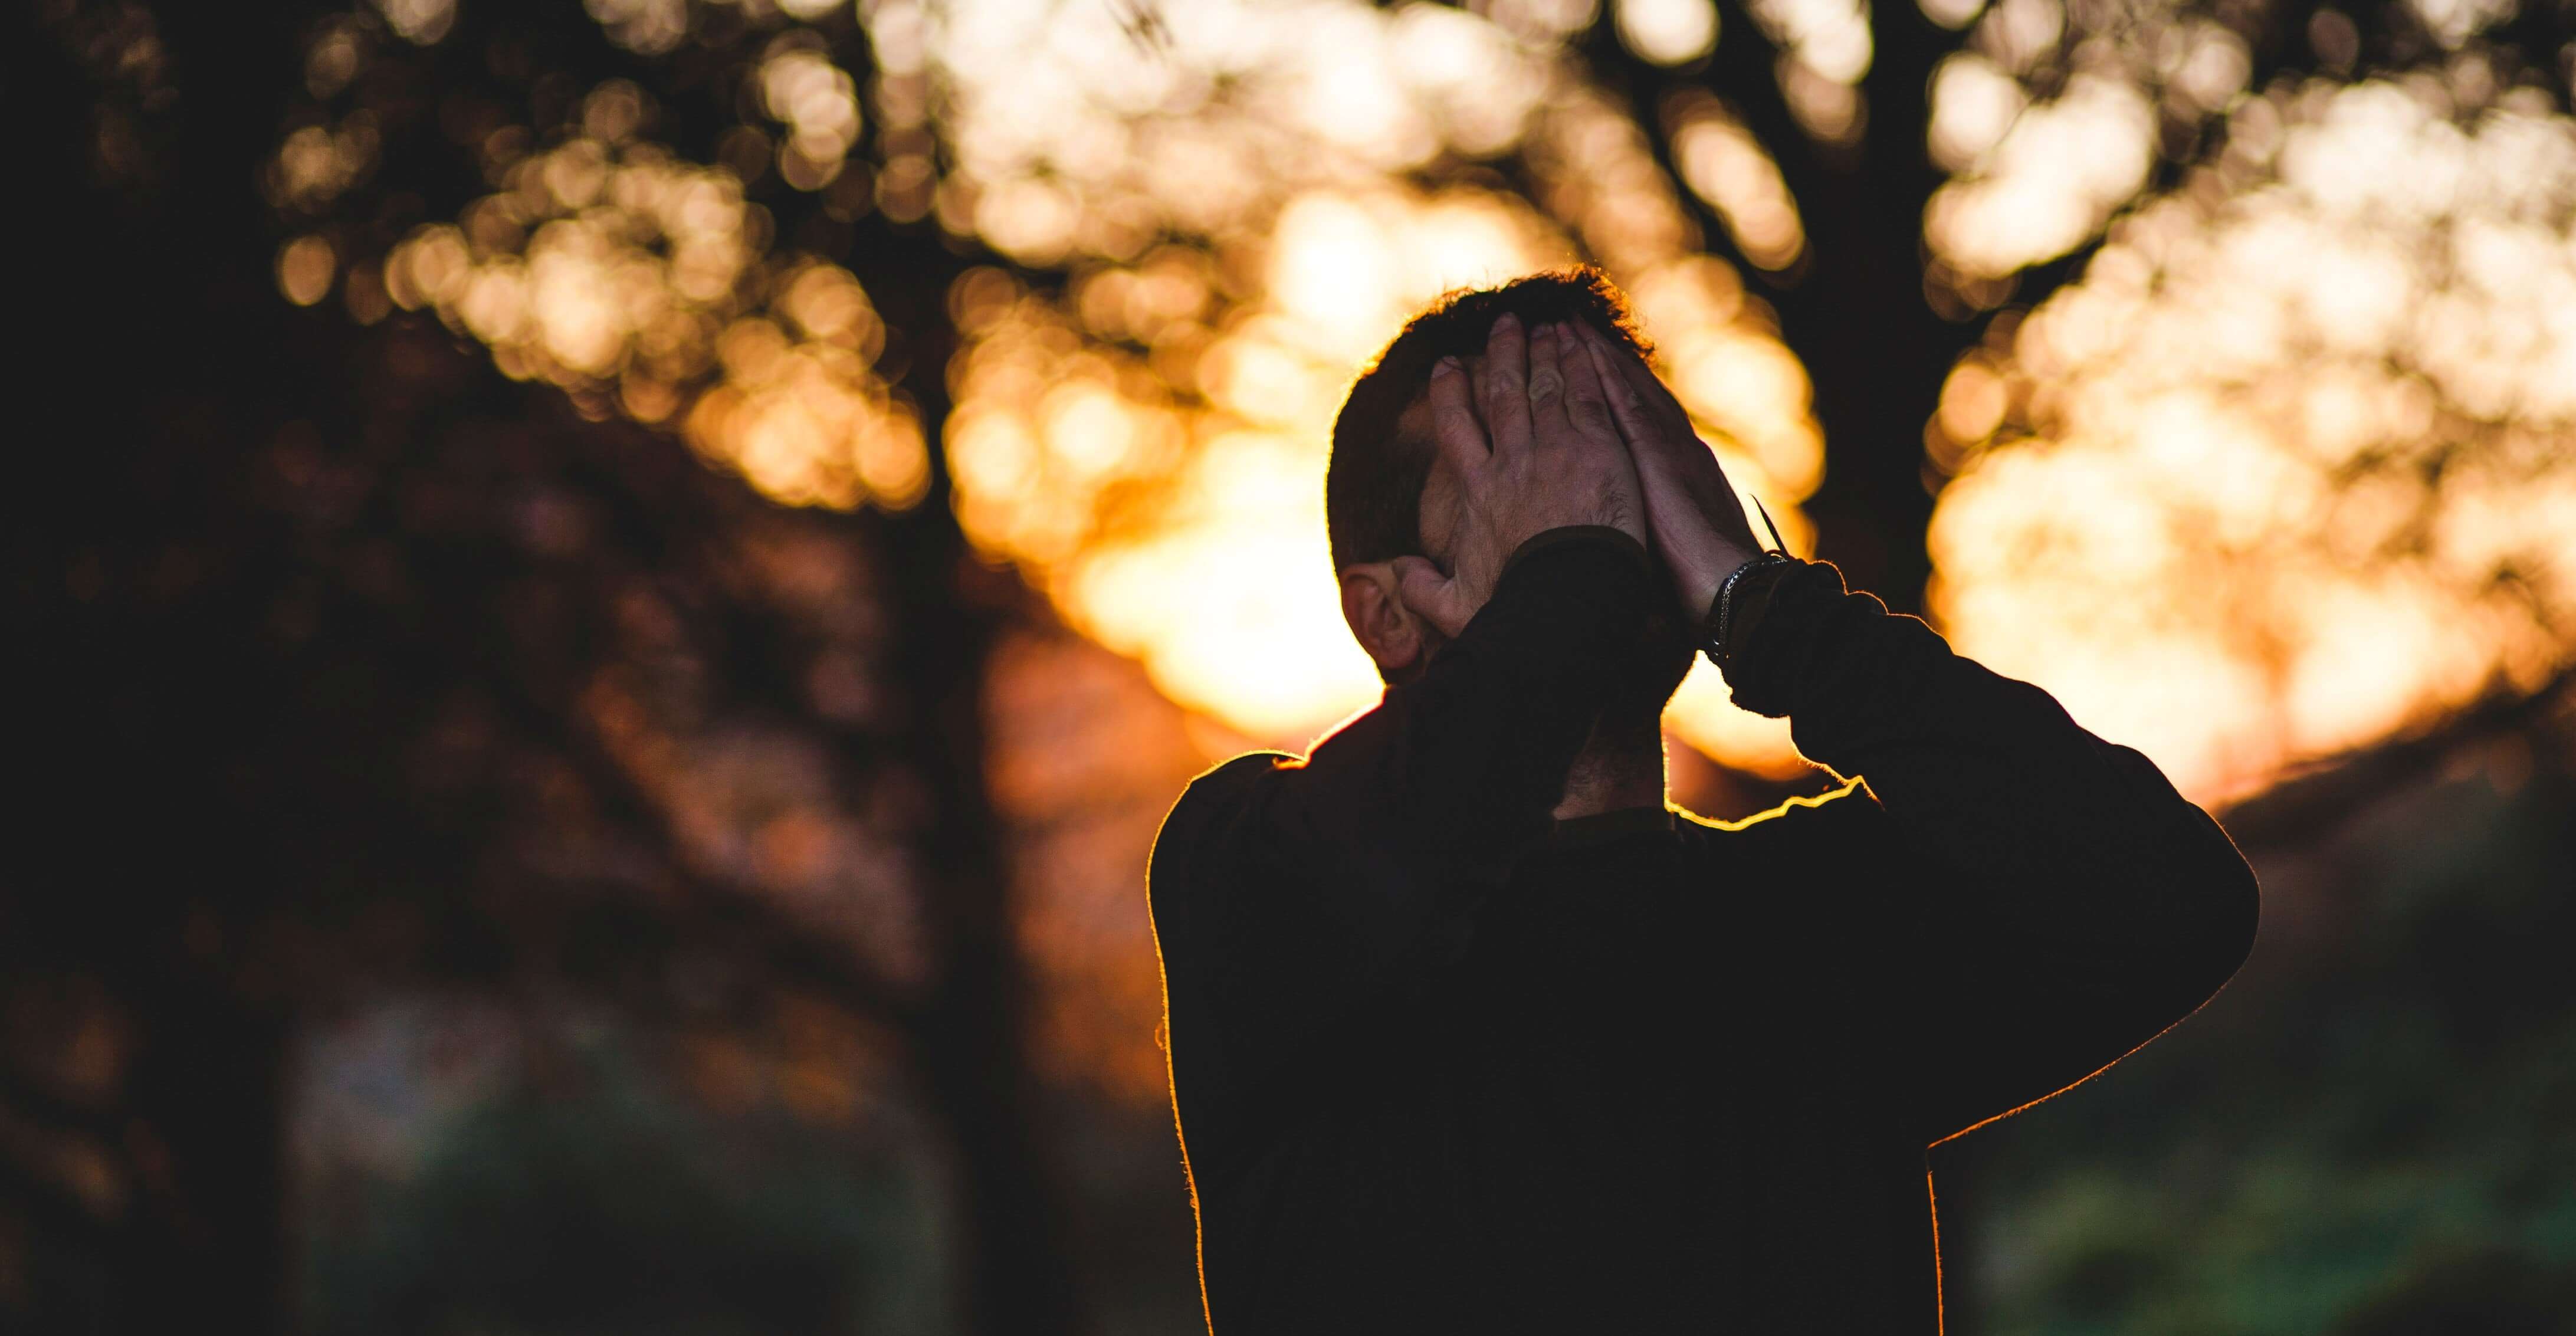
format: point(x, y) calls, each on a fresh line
point(1698, 587)
point(1722, 625)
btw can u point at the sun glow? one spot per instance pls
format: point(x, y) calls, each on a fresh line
point(1149, 444)
point(1230, 200)
point(2289, 469)
point(1227, 212)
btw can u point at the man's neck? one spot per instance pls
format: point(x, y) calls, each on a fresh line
point(1611, 774)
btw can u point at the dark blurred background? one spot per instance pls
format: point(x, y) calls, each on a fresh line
point(608, 597)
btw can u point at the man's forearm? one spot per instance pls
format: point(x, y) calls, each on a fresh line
point(1463, 765)
point(1317, 880)
point(2052, 828)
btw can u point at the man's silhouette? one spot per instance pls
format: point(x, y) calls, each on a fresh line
point(1469, 1032)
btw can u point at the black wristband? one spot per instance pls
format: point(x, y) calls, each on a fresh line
point(1716, 633)
point(1716, 638)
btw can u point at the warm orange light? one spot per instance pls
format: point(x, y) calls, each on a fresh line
point(636, 282)
point(1667, 32)
point(1233, 206)
point(1151, 448)
point(1723, 164)
point(1183, 523)
point(2286, 471)
point(305, 268)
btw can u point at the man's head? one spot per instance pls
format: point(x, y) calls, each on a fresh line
point(1385, 498)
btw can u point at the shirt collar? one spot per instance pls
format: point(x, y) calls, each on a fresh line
point(1603, 827)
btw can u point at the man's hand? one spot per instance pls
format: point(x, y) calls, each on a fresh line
point(1547, 455)
point(1698, 523)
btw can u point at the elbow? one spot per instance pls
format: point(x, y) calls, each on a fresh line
point(2244, 917)
point(2229, 910)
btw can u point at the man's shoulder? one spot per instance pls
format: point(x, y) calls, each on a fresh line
point(1845, 808)
point(1204, 805)
point(1837, 833)
point(1224, 784)
point(1806, 871)
point(1238, 773)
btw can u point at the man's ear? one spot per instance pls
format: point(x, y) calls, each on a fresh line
point(1395, 636)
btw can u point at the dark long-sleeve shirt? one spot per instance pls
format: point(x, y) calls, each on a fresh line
point(1443, 1064)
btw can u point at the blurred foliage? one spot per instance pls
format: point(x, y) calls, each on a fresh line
point(602, 1200)
point(368, 669)
point(2372, 1129)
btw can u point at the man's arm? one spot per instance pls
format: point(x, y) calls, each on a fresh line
point(1290, 896)
point(1305, 883)
point(2056, 902)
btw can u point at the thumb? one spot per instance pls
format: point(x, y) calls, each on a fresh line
point(1433, 596)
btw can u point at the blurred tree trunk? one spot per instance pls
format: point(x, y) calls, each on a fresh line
point(208, 1146)
point(972, 1037)
point(1874, 346)
point(125, 876)
point(1853, 307)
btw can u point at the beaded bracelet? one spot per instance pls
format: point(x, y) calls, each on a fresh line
point(1722, 608)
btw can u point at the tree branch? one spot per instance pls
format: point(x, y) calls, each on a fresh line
point(2330, 792)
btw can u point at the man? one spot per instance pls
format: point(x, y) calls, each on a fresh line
point(1469, 1032)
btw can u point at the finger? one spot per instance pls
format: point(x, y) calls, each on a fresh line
point(1434, 597)
point(1546, 381)
point(1586, 404)
point(1506, 392)
point(1627, 405)
point(1453, 417)
point(1664, 445)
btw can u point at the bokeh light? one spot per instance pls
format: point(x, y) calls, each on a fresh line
point(1216, 213)
point(2052, 116)
point(305, 268)
point(1668, 32)
point(1228, 198)
point(1825, 49)
point(641, 284)
point(2287, 471)
point(1150, 443)
point(1725, 165)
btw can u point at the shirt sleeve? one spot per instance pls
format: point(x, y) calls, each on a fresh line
point(1293, 896)
point(2051, 902)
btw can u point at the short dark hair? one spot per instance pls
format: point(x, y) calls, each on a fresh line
point(1373, 484)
